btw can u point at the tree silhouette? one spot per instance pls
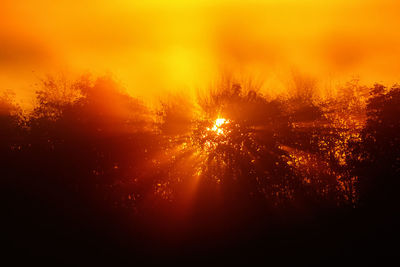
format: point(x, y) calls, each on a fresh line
point(234, 163)
point(377, 154)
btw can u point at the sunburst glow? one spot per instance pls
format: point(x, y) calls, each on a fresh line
point(166, 132)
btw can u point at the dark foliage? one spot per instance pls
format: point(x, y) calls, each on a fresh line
point(92, 174)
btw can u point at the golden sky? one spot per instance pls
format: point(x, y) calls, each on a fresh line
point(154, 47)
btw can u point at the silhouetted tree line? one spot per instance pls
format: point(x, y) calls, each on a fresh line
point(89, 149)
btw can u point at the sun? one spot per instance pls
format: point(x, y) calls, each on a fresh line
point(218, 126)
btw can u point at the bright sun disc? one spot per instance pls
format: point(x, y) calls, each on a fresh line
point(217, 126)
point(219, 122)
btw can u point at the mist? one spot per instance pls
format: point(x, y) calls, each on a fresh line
point(158, 47)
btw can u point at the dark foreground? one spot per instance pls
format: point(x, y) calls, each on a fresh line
point(36, 230)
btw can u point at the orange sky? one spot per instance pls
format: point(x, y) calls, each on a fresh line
point(154, 47)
